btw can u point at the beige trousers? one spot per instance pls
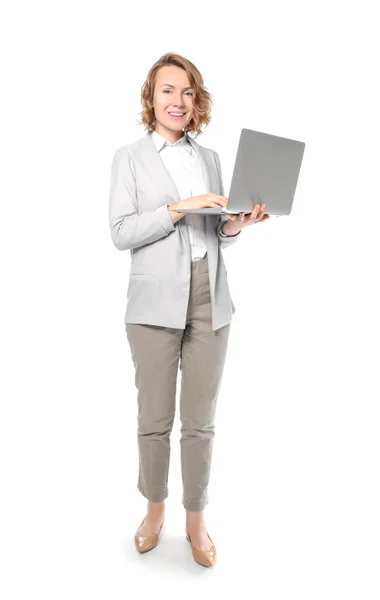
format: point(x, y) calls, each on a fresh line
point(156, 353)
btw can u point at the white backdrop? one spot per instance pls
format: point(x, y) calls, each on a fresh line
point(294, 490)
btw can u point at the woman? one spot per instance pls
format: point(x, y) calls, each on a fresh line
point(179, 307)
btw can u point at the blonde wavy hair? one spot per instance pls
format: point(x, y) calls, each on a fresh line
point(202, 99)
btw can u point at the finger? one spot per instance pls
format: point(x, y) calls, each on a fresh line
point(265, 218)
point(260, 212)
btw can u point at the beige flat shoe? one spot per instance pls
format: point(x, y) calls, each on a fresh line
point(206, 558)
point(144, 543)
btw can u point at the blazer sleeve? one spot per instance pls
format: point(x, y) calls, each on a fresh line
point(128, 228)
point(227, 241)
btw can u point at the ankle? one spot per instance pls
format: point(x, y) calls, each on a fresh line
point(195, 518)
point(155, 509)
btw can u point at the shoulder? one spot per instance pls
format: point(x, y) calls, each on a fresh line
point(123, 160)
point(204, 149)
point(125, 155)
point(128, 148)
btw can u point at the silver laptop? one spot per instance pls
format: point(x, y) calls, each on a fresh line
point(266, 172)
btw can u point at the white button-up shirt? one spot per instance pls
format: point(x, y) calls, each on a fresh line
point(186, 171)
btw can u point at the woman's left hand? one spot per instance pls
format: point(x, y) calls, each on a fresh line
point(242, 220)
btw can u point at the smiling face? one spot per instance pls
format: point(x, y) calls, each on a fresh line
point(172, 94)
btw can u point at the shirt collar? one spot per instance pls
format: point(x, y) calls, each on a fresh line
point(160, 142)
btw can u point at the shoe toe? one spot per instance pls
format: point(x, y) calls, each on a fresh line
point(145, 543)
point(206, 558)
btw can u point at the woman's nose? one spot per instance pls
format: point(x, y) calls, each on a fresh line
point(178, 102)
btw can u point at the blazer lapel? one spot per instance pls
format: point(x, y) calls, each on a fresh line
point(164, 182)
point(161, 175)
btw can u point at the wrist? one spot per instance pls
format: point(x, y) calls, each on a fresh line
point(175, 216)
point(175, 206)
point(230, 229)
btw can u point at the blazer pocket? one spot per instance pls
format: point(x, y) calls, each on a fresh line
point(142, 292)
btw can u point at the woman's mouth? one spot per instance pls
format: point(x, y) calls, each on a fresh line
point(177, 115)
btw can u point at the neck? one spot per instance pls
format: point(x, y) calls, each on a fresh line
point(171, 135)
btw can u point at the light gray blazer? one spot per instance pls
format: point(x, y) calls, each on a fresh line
point(159, 280)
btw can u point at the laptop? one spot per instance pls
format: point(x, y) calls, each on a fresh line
point(266, 172)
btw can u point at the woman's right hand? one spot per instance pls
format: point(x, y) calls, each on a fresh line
point(209, 200)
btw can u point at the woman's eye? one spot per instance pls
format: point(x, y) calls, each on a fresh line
point(186, 92)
